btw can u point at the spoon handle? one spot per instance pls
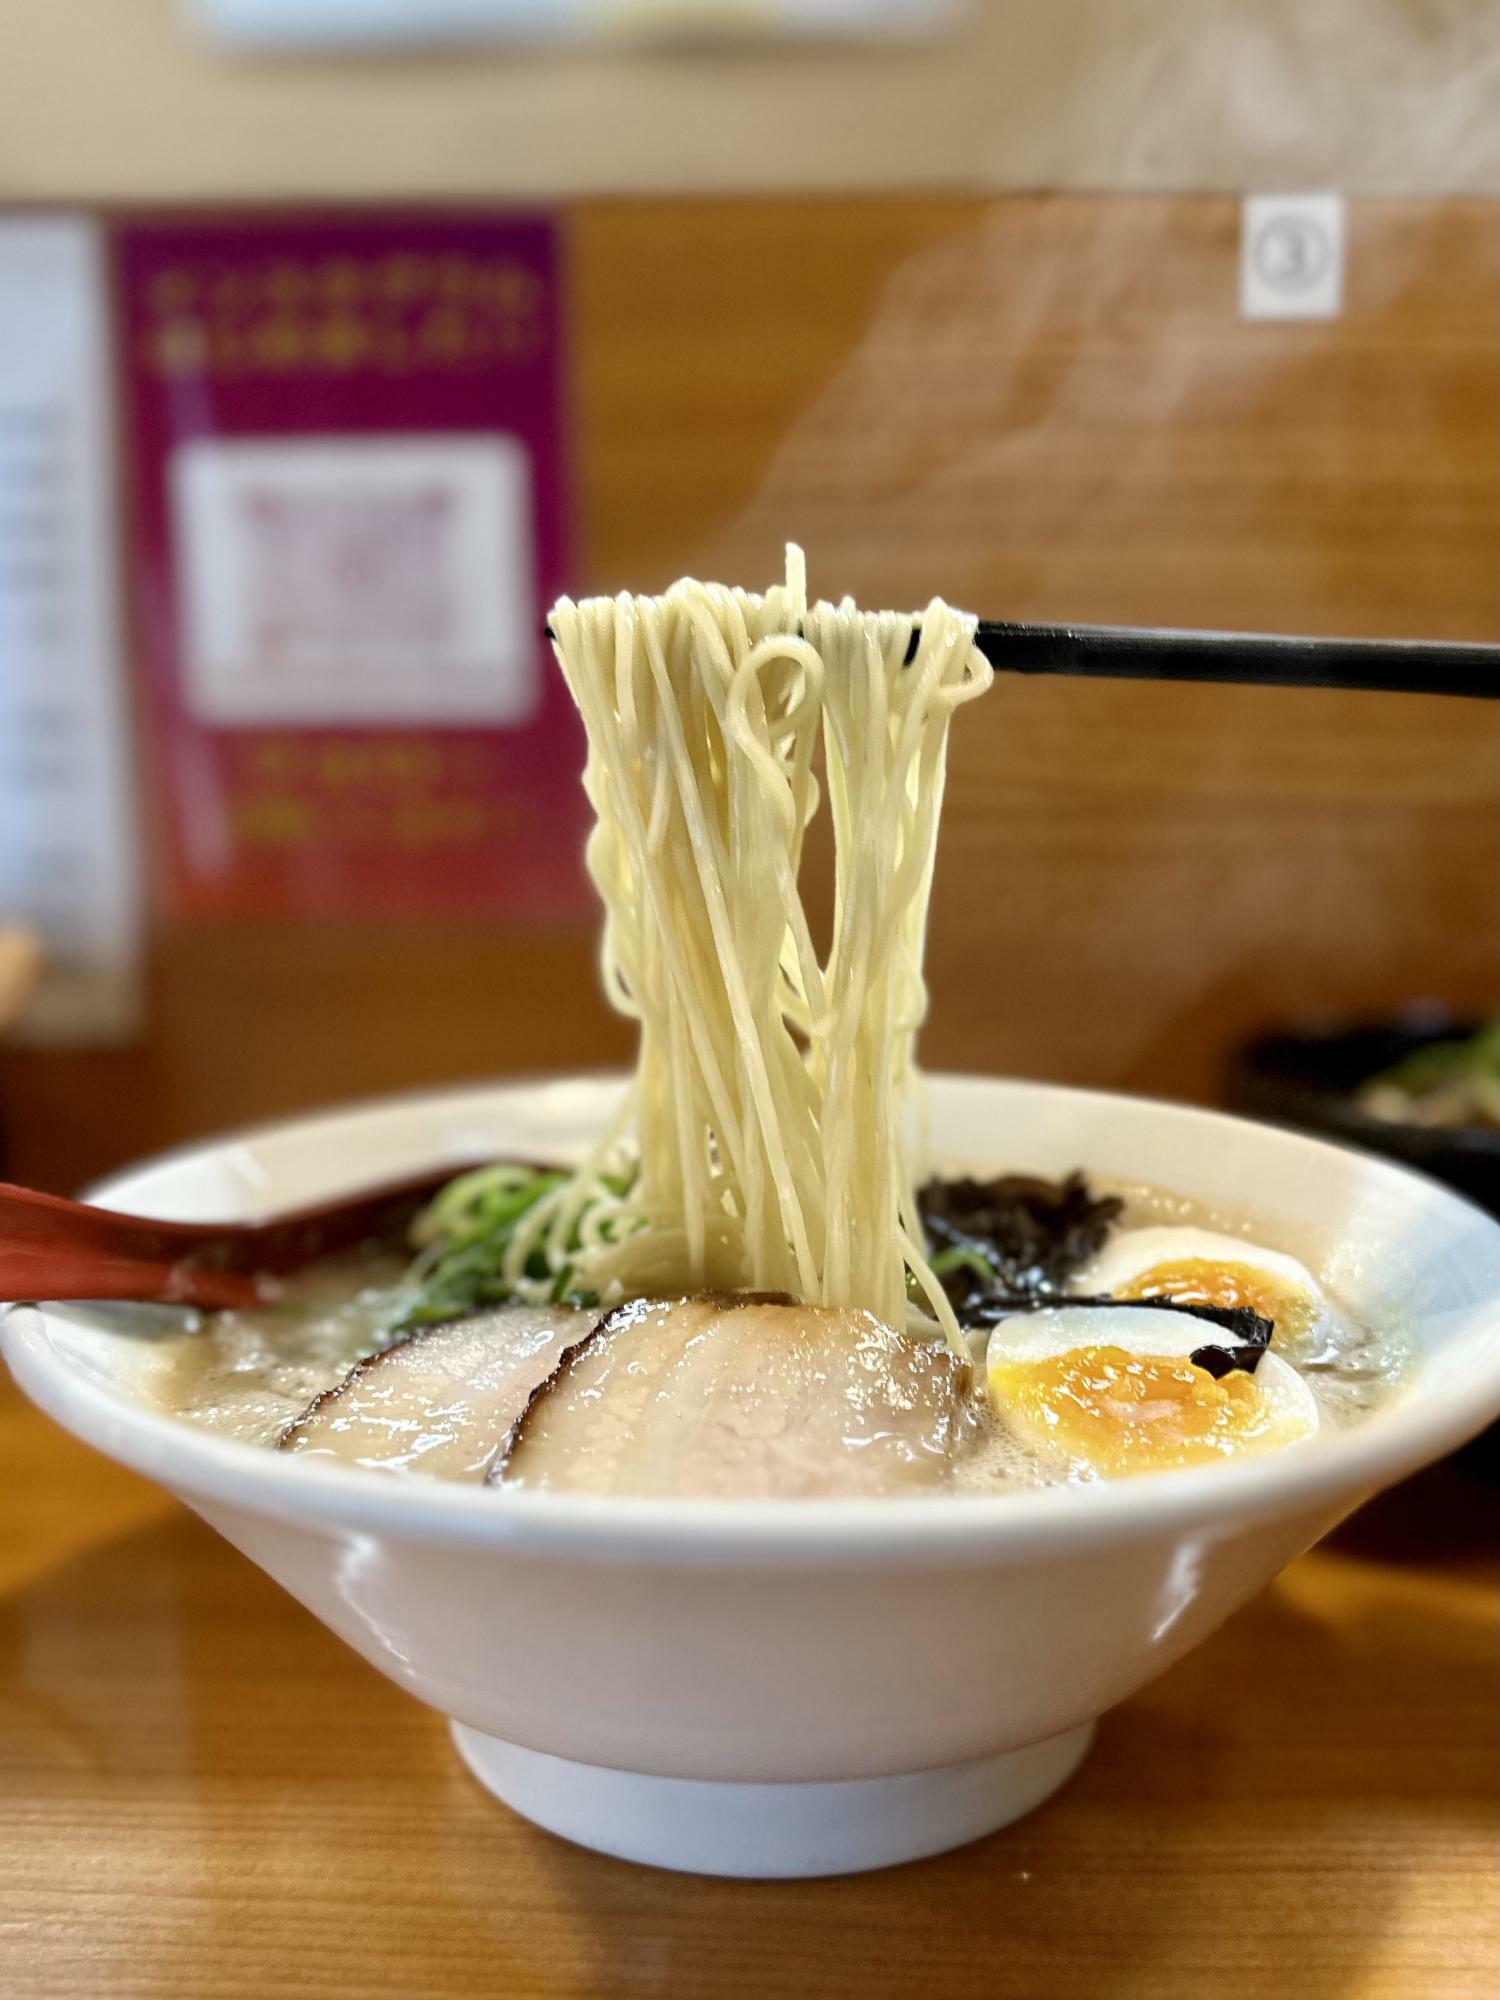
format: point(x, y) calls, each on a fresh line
point(56, 1249)
point(52, 1248)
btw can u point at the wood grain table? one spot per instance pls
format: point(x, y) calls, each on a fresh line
point(205, 1794)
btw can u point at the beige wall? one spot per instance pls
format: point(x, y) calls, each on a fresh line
point(114, 100)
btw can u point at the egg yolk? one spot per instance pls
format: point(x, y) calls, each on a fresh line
point(1119, 1413)
point(1194, 1281)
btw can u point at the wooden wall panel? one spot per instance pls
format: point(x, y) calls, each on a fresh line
point(1039, 406)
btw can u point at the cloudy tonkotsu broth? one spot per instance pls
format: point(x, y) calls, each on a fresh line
point(252, 1374)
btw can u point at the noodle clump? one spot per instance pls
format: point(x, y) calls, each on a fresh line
point(763, 1140)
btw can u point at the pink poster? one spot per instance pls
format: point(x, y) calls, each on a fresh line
point(349, 518)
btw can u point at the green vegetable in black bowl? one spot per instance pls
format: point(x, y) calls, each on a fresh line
point(1445, 1085)
point(1343, 1084)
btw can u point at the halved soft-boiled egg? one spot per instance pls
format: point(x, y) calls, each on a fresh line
point(1200, 1267)
point(1110, 1391)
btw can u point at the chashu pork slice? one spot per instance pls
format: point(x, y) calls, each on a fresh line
point(443, 1400)
point(742, 1398)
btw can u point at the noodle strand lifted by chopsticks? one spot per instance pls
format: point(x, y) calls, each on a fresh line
point(768, 1106)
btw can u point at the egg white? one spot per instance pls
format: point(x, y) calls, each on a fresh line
point(1058, 1330)
point(1131, 1254)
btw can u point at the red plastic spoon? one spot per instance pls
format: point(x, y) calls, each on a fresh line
point(56, 1249)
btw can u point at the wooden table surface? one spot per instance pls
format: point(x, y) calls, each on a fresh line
point(205, 1794)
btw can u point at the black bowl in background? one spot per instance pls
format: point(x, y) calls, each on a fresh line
point(1309, 1080)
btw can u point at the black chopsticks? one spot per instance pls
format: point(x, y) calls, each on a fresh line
point(1240, 659)
point(1249, 659)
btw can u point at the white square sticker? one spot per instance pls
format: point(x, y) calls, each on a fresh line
point(1292, 256)
point(356, 581)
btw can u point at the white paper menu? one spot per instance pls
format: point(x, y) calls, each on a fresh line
point(68, 846)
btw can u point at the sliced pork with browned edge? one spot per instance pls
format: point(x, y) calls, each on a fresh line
point(443, 1400)
point(742, 1398)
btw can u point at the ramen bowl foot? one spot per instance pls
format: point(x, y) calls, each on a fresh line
point(760, 1830)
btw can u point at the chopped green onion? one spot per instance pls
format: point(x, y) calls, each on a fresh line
point(956, 1258)
point(464, 1235)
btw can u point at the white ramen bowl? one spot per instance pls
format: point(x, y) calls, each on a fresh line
point(808, 1687)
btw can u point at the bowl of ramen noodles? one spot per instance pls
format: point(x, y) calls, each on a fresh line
point(773, 1461)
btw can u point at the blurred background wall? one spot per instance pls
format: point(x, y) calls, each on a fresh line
point(965, 319)
point(113, 99)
